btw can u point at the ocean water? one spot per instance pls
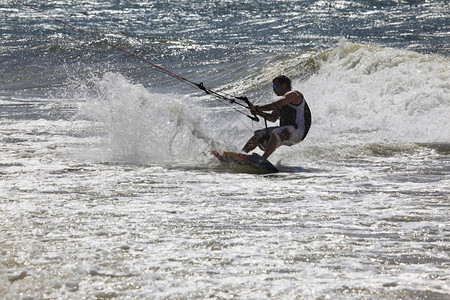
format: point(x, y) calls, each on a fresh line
point(108, 188)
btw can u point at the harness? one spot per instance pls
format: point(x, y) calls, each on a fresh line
point(289, 116)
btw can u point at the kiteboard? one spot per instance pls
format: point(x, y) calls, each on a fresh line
point(245, 163)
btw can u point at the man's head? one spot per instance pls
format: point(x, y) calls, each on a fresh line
point(281, 85)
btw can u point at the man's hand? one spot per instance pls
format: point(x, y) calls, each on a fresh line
point(255, 110)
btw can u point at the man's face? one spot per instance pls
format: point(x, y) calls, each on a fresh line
point(278, 88)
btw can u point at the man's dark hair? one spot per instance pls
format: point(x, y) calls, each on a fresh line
point(282, 79)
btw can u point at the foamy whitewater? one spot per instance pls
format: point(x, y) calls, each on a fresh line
point(109, 190)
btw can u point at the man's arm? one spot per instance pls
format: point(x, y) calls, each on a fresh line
point(272, 117)
point(292, 97)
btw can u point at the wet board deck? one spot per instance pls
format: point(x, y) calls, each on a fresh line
point(245, 163)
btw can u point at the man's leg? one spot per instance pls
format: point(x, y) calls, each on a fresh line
point(251, 144)
point(271, 146)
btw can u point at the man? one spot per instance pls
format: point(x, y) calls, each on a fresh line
point(294, 115)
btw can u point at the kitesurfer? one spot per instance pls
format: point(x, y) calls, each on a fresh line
point(294, 115)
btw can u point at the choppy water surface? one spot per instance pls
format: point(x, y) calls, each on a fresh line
point(108, 188)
